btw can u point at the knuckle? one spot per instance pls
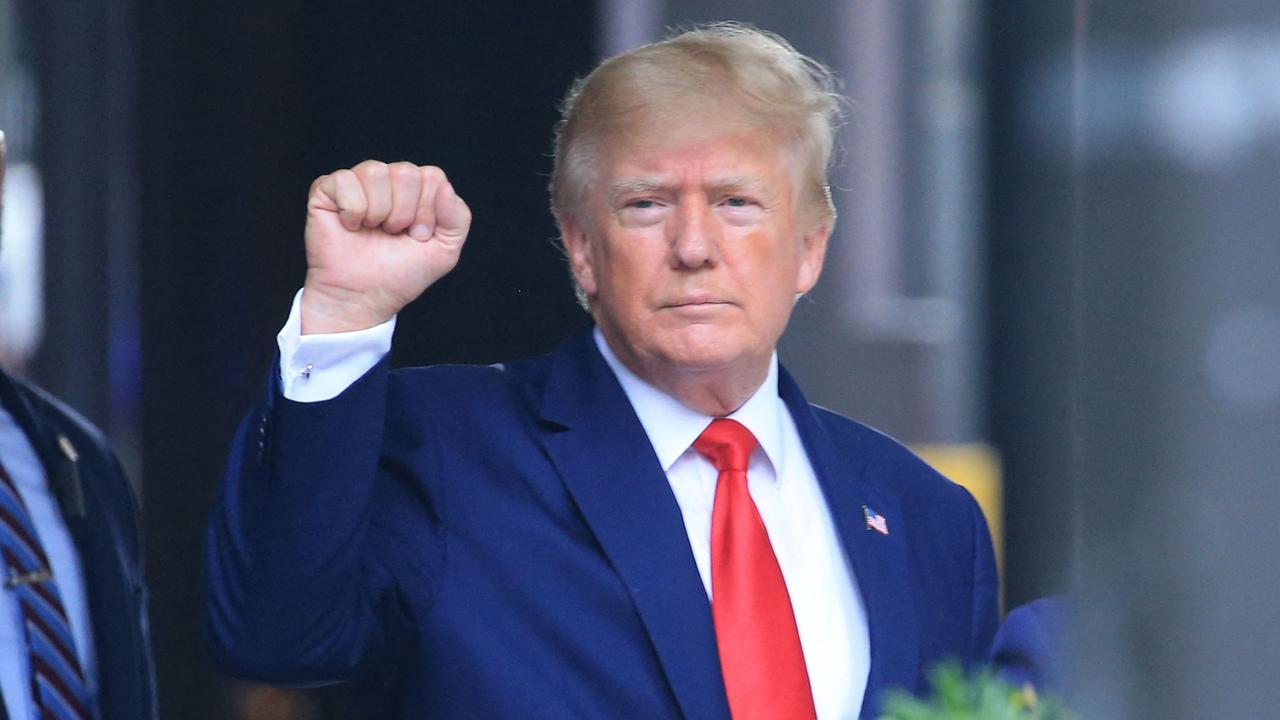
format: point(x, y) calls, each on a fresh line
point(371, 170)
point(344, 181)
point(431, 173)
point(404, 177)
point(321, 193)
point(402, 169)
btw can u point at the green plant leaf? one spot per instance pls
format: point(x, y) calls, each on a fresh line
point(955, 695)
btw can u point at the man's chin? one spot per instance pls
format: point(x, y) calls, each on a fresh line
point(706, 358)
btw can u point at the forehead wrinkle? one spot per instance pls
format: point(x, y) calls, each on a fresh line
point(638, 185)
point(737, 182)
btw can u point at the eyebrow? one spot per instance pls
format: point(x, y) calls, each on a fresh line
point(637, 185)
point(652, 184)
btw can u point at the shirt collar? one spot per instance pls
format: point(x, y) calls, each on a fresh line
point(673, 426)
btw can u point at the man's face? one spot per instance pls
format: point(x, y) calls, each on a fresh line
point(691, 252)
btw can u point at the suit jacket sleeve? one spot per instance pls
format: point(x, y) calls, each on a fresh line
point(1028, 646)
point(292, 594)
point(986, 590)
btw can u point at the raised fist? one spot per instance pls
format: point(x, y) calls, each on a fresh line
point(377, 236)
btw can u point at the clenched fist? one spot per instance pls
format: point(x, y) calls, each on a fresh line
point(377, 236)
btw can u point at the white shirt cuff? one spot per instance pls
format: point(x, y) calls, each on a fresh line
point(320, 366)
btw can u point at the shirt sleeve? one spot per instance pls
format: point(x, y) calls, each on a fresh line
point(319, 367)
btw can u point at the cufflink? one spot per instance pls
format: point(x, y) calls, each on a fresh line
point(306, 371)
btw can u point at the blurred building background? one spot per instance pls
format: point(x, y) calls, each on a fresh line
point(1057, 252)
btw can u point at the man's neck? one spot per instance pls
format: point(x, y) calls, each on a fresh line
point(712, 393)
point(716, 392)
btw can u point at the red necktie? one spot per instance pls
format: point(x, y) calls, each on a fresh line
point(760, 655)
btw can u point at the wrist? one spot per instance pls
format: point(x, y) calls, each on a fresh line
point(325, 311)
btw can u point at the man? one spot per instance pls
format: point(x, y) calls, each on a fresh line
point(73, 622)
point(650, 522)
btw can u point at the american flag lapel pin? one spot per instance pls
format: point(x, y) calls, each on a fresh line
point(875, 521)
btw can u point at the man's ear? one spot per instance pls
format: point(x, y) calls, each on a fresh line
point(578, 248)
point(813, 253)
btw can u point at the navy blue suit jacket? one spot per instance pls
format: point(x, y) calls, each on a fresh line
point(101, 512)
point(1028, 646)
point(495, 542)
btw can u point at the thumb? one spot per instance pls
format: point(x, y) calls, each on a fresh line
point(453, 217)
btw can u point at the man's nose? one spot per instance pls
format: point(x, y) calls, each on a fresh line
point(695, 239)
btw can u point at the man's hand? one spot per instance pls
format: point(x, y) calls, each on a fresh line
point(377, 236)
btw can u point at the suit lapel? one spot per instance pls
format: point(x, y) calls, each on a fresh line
point(880, 563)
point(42, 438)
point(609, 467)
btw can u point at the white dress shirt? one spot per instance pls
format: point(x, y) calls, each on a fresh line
point(830, 617)
point(28, 474)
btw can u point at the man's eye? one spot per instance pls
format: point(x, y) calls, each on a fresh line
point(641, 212)
point(737, 202)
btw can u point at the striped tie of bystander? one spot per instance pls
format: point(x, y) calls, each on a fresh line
point(58, 688)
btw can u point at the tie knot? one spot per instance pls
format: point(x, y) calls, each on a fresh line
point(727, 444)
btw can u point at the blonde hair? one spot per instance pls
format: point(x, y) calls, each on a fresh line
point(717, 69)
